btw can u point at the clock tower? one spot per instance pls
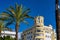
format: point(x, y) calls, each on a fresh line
point(39, 20)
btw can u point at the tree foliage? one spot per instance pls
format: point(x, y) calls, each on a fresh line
point(15, 15)
point(6, 38)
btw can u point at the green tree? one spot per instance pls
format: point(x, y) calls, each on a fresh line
point(16, 15)
point(1, 38)
point(3, 27)
point(8, 38)
point(0, 27)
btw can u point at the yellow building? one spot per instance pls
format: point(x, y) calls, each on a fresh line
point(39, 31)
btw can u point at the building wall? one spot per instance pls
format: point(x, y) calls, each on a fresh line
point(11, 33)
point(8, 33)
point(39, 31)
point(28, 34)
point(45, 32)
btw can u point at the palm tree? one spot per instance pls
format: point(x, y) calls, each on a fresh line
point(57, 20)
point(16, 15)
point(2, 27)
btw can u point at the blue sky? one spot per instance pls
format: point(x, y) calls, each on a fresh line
point(59, 2)
point(44, 8)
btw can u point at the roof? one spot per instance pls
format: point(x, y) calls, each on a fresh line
point(8, 32)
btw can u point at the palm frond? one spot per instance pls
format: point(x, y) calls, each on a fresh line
point(7, 28)
point(9, 22)
point(4, 19)
point(25, 22)
point(7, 14)
point(27, 16)
point(16, 7)
point(26, 11)
point(11, 7)
point(20, 11)
point(12, 12)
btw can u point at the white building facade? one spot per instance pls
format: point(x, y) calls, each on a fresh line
point(8, 33)
point(39, 31)
point(11, 33)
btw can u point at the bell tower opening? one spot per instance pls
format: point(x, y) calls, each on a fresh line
point(39, 20)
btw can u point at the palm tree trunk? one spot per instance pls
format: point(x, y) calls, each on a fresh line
point(0, 33)
point(16, 29)
point(57, 21)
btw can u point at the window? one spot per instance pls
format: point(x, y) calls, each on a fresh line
point(48, 36)
point(38, 26)
point(39, 19)
point(31, 36)
point(39, 39)
point(46, 31)
point(40, 34)
point(31, 31)
point(24, 34)
point(28, 33)
point(39, 31)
